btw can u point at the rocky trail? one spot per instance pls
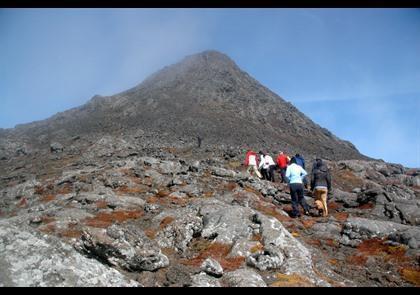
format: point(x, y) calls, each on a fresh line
point(113, 212)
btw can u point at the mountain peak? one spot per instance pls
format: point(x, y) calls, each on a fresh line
point(211, 59)
point(210, 56)
point(205, 93)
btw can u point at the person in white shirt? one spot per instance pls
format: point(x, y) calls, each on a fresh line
point(267, 166)
point(295, 175)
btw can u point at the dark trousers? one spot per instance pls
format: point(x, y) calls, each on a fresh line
point(264, 173)
point(296, 193)
point(268, 173)
point(283, 174)
point(305, 182)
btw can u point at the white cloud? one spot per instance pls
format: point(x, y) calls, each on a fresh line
point(149, 43)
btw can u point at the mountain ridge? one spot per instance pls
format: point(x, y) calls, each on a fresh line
point(204, 94)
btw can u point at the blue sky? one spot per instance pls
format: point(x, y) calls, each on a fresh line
point(353, 71)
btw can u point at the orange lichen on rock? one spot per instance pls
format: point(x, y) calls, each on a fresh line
point(105, 219)
point(152, 200)
point(257, 248)
point(101, 204)
point(314, 242)
point(122, 190)
point(341, 216)
point(333, 205)
point(48, 228)
point(308, 223)
point(217, 251)
point(333, 261)
point(271, 211)
point(150, 233)
point(292, 280)
point(66, 189)
point(357, 259)
point(47, 219)
point(163, 193)
point(366, 206)
point(70, 233)
point(256, 237)
point(230, 186)
point(208, 194)
point(251, 190)
point(47, 198)
point(166, 221)
point(331, 242)
point(411, 275)
point(372, 247)
point(378, 248)
point(135, 179)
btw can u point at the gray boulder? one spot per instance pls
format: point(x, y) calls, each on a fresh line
point(410, 211)
point(363, 228)
point(212, 267)
point(127, 247)
point(244, 278)
point(228, 224)
point(297, 258)
point(410, 237)
point(349, 200)
point(29, 259)
point(179, 275)
point(327, 230)
point(217, 171)
point(243, 248)
point(369, 195)
point(172, 168)
point(56, 147)
point(179, 232)
point(270, 258)
point(204, 280)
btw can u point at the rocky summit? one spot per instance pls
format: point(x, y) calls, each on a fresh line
point(117, 192)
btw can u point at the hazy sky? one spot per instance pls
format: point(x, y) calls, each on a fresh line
point(353, 71)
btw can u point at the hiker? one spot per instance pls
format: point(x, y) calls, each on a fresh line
point(321, 185)
point(282, 162)
point(301, 162)
point(267, 166)
point(251, 161)
point(294, 175)
point(199, 139)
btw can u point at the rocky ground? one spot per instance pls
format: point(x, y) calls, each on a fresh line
point(114, 212)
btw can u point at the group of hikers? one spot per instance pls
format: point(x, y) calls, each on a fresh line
point(292, 171)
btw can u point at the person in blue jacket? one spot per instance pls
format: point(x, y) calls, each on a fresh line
point(301, 162)
point(295, 174)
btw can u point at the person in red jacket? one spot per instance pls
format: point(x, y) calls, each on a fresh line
point(251, 161)
point(282, 162)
